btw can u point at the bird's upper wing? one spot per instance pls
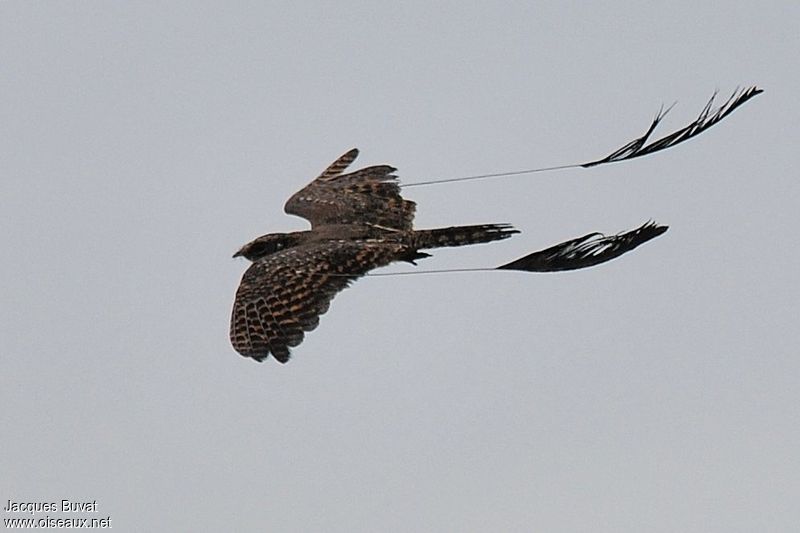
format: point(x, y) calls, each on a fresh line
point(370, 195)
point(282, 295)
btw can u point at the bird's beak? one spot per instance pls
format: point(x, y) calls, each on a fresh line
point(237, 254)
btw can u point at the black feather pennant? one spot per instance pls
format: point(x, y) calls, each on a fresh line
point(586, 251)
point(708, 117)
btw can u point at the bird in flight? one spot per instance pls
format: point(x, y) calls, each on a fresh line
point(360, 221)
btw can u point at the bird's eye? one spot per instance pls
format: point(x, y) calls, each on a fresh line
point(279, 245)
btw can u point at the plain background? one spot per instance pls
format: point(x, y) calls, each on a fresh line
point(144, 142)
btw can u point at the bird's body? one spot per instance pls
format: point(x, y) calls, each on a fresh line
point(409, 242)
point(359, 222)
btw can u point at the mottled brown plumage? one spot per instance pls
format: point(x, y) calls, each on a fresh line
point(359, 221)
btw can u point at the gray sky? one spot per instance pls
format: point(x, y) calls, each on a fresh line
point(143, 143)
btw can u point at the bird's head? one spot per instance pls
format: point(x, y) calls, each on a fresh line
point(268, 244)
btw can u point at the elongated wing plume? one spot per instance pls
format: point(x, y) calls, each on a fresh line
point(586, 251)
point(637, 147)
point(708, 117)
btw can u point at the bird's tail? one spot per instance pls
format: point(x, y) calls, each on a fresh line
point(460, 235)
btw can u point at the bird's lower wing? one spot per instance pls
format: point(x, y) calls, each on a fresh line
point(282, 296)
point(586, 251)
